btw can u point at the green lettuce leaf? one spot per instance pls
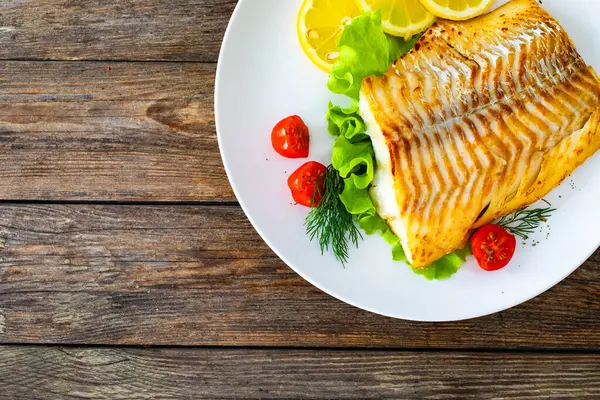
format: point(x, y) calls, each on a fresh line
point(443, 268)
point(346, 122)
point(399, 47)
point(365, 50)
point(398, 254)
point(357, 201)
point(372, 224)
point(354, 161)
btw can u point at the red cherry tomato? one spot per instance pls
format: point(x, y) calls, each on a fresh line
point(307, 184)
point(290, 137)
point(493, 247)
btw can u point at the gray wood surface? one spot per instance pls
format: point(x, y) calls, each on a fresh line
point(200, 275)
point(106, 101)
point(104, 131)
point(99, 373)
point(173, 30)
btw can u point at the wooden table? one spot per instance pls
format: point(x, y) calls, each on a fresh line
point(128, 270)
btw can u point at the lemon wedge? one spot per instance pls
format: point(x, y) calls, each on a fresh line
point(403, 18)
point(320, 24)
point(457, 10)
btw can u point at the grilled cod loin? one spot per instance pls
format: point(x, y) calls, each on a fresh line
point(480, 119)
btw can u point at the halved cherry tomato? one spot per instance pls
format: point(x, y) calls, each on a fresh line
point(493, 247)
point(307, 184)
point(290, 137)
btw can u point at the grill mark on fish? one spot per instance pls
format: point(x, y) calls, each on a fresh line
point(574, 100)
point(398, 99)
point(422, 180)
point(484, 163)
point(406, 168)
point(474, 162)
point(497, 65)
point(536, 113)
point(534, 71)
point(446, 174)
point(517, 153)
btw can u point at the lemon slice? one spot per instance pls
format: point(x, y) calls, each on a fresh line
point(320, 24)
point(403, 18)
point(457, 10)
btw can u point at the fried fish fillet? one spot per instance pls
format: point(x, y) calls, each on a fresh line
point(480, 119)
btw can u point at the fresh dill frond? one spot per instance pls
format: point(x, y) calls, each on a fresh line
point(330, 222)
point(524, 222)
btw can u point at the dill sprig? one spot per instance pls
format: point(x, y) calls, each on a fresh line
point(524, 222)
point(330, 222)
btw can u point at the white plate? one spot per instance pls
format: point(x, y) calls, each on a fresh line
point(263, 76)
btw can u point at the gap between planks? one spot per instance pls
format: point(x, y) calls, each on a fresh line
point(284, 348)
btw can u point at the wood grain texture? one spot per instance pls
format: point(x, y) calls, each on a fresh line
point(174, 30)
point(101, 131)
point(58, 373)
point(199, 275)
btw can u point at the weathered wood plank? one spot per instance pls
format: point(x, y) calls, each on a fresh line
point(53, 373)
point(96, 131)
point(175, 30)
point(198, 275)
